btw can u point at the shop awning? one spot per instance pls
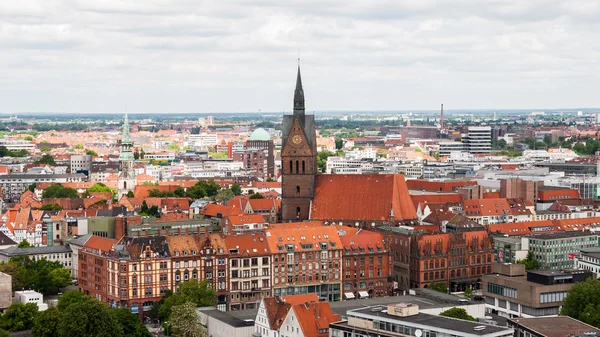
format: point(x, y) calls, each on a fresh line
point(349, 296)
point(363, 294)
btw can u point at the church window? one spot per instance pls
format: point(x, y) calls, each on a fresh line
point(297, 191)
point(291, 167)
point(303, 167)
point(297, 212)
point(297, 165)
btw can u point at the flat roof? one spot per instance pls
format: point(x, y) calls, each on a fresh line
point(465, 328)
point(560, 235)
point(341, 307)
point(227, 318)
point(593, 252)
point(15, 251)
point(560, 326)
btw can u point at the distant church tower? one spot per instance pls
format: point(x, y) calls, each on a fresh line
point(298, 159)
point(126, 181)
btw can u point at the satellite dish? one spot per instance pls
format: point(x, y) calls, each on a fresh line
point(418, 333)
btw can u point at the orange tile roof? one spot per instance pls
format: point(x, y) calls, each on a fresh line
point(311, 236)
point(524, 228)
point(296, 225)
point(314, 317)
point(247, 244)
point(446, 198)
point(142, 191)
point(356, 238)
point(212, 210)
point(262, 204)
point(486, 207)
point(241, 219)
point(100, 243)
point(438, 186)
point(179, 183)
point(362, 197)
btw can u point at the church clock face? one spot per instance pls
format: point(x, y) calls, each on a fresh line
point(296, 139)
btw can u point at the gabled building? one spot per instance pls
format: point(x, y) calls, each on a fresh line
point(249, 270)
point(306, 260)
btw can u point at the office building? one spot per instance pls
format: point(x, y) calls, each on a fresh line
point(558, 250)
point(478, 139)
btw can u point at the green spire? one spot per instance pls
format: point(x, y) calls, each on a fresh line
point(126, 144)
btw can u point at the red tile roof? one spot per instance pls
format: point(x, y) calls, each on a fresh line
point(314, 317)
point(247, 245)
point(551, 195)
point(356, 238)
point(100, 243)
point(492, 195)
point(444, 198)
point(438, 186)
point(374, 197)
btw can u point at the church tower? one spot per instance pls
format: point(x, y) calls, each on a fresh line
point(298, 159)
point(126, 180)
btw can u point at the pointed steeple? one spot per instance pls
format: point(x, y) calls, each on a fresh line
point(299, 95)
point(126, 144)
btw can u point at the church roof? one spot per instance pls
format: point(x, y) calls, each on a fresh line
point(366, 197)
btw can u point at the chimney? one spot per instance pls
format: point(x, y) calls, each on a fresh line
point(146, 233)
point(442, 118)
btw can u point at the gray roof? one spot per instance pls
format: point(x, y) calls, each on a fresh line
point(560, 235)
point(14, 251)
point(5, 240)
point(463, 327)
point(593, 252)
point(225, 317)
point(80, 241)
point(37, 176)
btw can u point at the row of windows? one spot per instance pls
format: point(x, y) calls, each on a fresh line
point(551, 297)
point(502, 290)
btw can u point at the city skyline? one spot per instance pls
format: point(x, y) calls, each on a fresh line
point(163, 57)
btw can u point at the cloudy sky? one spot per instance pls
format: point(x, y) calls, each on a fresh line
point(240, 56)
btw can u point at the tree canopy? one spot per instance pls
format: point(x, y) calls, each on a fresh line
point(530, 262)
point(46, 323)
point(185, 322)
point(46, 159)
point(200, 293)
point(40, 275)
point(439, 286)
point(18, 317)
point(89, 318)
point(236, 188)
point(99, 187)
point(459, 313)
point(583, 302)
point(59, 191)
point(51, 207)
point(24, 244)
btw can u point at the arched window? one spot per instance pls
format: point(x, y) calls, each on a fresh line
point(430, 264)
point(297, 167)
point(124, 184)
point(452, 274)
point(437, 263)
point(297, 191)
point(291, 167)
point(437, 275)
point(297, 212)
point(303, 167)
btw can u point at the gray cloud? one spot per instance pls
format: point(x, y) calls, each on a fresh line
point(240, 55)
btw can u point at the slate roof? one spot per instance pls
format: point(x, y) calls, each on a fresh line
point(15, 251)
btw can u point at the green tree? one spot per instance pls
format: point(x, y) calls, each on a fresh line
point(322, 160)
point(59, 191)
point(257, 196)
point(79, 146)
point(174, 147)
point(28, 138)
point(45, 149)
point(91, 153)
point(46, 323)
point(88, 318)
point(583, 302)
point(61, 277)
point(18, 317)
point(237, 189)
point(184, 322)
point(196, 192)
point(130, 194)
point(24, 244)
point(501, 143)
point(149, 211)
point(339, 143)
point(51, 207)
point(99, 187)
point(4, 333)
point(46, 159)
point(459, 313)
point(200, 293)
point(136, 154)
point(71, 297)
point(468, 292)
point(224, 195)
point(179, 192)
point(439, 286)
point(32, 187)
point(530, 262)
point(130, 323)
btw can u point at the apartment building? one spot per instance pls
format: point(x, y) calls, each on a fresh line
point(366, 263)
point(92, 267)
point(306, 260)
point(13, 185)
point(589, 259)
point(510, 291)
point(249, 270)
